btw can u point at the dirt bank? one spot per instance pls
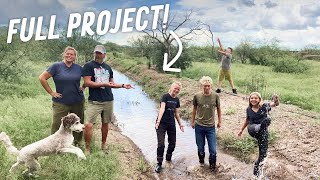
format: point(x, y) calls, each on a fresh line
point(294, 155)
point(131, 160)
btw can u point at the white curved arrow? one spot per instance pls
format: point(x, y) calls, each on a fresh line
point(166, 65)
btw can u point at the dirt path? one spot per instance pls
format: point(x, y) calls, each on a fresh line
point(294, 155)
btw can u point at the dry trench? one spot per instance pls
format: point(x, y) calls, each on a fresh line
point(136, 114)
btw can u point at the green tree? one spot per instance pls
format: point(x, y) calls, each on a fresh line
point(163, 36)
point(267, 54)
point(83, 44)
point(244, 51)
point(11, 55)
point(201, 53)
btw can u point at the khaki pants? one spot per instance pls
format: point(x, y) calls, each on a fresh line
point(225, 74)
point(60, 110)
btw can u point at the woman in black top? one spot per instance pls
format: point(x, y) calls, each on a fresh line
point(169, 111)
point(258, 121)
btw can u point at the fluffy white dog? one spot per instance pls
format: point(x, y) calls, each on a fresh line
point(59, 142)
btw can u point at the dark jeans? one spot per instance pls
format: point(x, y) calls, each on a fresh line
point(201, 133)
point(161, 132)
point(262, 138)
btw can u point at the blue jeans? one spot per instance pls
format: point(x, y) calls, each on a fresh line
point(201, 133)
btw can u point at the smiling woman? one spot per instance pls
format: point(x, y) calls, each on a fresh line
point(68, 97)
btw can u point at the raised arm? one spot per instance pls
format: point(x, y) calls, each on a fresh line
point(220, 45)
point(223, 53)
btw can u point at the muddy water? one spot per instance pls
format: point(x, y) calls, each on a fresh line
point(136, 114)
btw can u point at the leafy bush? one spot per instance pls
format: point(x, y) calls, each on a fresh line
point(243, 51)
point(256, 83)
point(265, 55)
point(289, 65)
point(202, 53)
point(184, 60)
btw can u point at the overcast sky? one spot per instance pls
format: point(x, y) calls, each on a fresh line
point(295, 23)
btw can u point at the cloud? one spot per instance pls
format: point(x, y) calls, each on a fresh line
point(11, 9)
point(76, 5)
point(121, 38)
point(270, 4)
point(248, 3)
point(196, 4)
point(310, 10)
point(260, 19)
point(231, 9)
point(282, 15)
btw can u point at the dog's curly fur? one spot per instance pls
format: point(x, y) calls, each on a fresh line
point(59, 142)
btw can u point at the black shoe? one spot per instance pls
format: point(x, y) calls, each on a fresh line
point(201, 161)
point(201, 158)
point(256, 170)
point(158, 168)
point(218, 91)
point(212, 167)
point(234, 91)
point(212, 163)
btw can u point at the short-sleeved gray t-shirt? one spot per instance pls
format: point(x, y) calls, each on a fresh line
point(226, 62)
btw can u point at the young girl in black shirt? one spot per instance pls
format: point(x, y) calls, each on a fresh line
point(258, 121)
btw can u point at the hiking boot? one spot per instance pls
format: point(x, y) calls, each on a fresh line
point(234, 91)
point(212, 163)
point(218, 91)
point(158, 168)
point(212, 167)
point(201, 158)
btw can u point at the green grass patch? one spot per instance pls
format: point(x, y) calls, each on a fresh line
point(230, 111)
point(242, 148)
point(142, 165)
